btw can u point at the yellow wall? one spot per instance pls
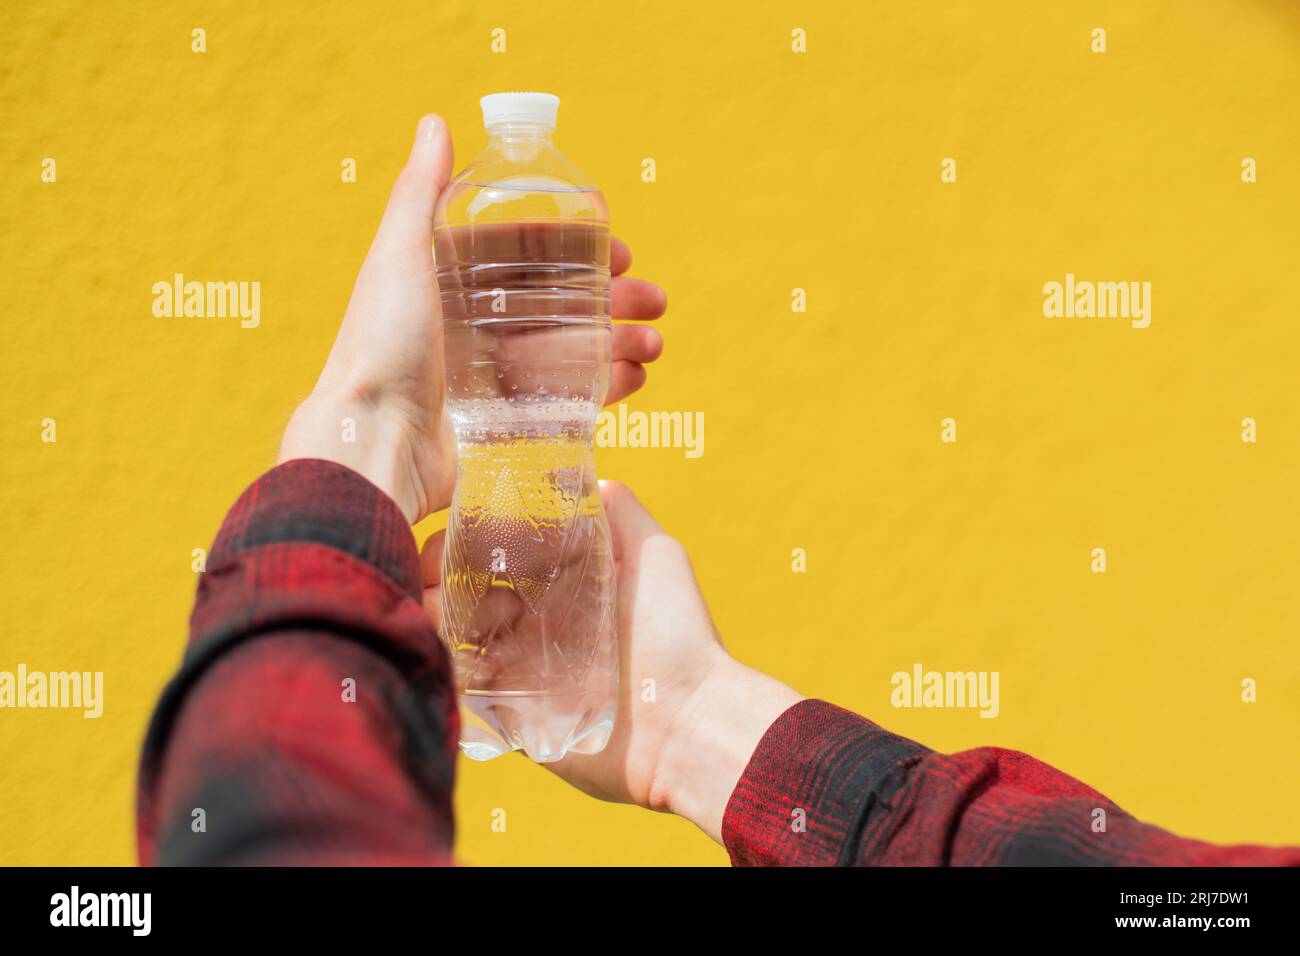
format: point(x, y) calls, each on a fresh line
point(775, 171)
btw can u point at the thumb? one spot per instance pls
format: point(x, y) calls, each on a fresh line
point(629, 521)
point(408, 218)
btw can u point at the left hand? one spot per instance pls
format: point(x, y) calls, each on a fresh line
point(385, 371)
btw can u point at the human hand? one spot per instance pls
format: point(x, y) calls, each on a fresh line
point(681, 742)
point(385, 372)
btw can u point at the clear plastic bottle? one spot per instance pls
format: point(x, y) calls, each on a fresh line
point(521, 240)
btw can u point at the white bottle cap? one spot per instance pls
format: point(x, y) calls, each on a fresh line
point(537, 108)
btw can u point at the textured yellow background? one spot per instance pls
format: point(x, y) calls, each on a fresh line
point(775, 171)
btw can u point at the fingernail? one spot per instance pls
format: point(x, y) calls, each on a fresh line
point(428, 130)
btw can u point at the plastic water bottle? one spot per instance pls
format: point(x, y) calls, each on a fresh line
point(521, 240)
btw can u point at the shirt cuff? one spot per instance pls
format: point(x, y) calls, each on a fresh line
point(312, 501)
point(808, 790)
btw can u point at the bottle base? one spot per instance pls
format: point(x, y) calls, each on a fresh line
point(543, 727)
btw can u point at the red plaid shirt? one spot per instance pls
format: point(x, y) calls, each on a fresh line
point(313, 721)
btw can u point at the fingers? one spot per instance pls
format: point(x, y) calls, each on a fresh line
point(629, 522)
point(633, 299)
point(620, 256)
point(636, 299)
point(431, 559)
point(408, 219)
point(624, 379)
point(431, 577)
point(639, 301)
point(636, 343)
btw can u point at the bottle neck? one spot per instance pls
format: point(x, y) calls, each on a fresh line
point(512, 132)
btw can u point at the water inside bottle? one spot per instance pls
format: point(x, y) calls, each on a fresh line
point(528, 590)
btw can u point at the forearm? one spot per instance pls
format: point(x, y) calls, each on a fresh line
point(826, 787)
point(313, 719)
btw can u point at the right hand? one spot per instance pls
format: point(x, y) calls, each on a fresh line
point(681, 742)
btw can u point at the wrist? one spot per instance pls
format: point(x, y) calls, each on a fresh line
point(713, 739)
point(359, 436)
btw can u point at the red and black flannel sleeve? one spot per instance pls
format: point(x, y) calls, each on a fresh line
point(826, 787)
point(313, 720)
